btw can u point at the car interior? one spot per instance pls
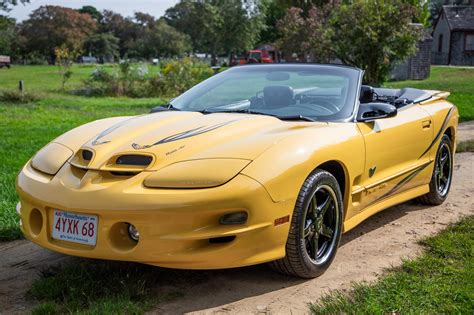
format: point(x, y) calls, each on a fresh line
point(396, 97)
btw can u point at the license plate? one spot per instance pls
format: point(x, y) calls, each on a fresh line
point(75, 227)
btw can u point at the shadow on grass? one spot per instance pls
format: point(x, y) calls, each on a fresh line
point(100, 287)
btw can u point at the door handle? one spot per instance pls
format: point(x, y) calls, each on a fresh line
point(426, 124)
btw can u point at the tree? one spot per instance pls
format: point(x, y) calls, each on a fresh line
point(306, 36)
point(198, 19)
point(50, 27)
point(242, 22)
point(7, 35)
point(103, 46)
point(122, 28)
point(5, 5)
point(92, 11)
point(64, 60)
point(162, 40)
point(218, 27)
point(373, 35)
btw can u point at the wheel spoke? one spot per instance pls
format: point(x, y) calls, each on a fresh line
point(314, 245)
point(312, 209)
point(443, 160)
point(327, 231)
point(324, 206)
point(307, 231)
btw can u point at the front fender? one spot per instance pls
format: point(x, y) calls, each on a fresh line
point(283, 168)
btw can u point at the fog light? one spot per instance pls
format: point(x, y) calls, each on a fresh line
point(133, 232)
point(234, 218)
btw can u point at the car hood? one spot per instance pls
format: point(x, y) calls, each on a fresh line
point(177, 136)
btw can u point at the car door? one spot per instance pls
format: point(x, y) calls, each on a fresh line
point(394, 153)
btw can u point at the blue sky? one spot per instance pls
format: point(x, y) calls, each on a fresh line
point(125, 7)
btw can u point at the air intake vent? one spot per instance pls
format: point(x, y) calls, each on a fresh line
point(140, 160)
point(86, 155)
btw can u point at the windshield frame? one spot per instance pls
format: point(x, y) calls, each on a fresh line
point(353, 101)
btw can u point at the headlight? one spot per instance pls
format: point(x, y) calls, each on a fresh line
point(51, 158)
point(196, 173)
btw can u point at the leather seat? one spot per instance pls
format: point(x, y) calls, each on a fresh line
point(278, 96)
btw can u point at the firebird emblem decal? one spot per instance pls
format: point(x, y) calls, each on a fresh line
point(181, 135)
point(106, 132)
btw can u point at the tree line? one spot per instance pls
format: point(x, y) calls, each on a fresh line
point(370, 34)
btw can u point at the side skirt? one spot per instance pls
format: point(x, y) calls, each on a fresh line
point(388, 202)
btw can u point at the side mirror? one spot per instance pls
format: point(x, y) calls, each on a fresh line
point(372, 111)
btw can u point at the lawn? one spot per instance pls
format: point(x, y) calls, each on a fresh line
point(458, 81)
point(25, 128)
point(441, 281)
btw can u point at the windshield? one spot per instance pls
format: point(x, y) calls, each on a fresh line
point(316, 92)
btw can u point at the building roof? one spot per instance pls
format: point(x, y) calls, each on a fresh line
point(460, 18)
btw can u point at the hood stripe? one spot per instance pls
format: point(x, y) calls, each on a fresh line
point(182, 135)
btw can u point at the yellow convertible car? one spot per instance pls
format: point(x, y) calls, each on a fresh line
point(260, 163)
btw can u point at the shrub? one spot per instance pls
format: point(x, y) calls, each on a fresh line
point(180, 75)
point(135, 81)
point(14, 96)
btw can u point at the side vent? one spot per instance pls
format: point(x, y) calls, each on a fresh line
point(137, 160)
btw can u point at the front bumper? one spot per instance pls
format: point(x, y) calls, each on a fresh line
point(175, 225)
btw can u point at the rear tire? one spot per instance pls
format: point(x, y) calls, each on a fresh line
point(315, 229)
point(442, 174)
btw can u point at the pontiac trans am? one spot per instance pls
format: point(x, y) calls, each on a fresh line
point(260, 163)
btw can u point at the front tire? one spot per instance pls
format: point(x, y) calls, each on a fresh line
point(315, 229)
point(442, 174)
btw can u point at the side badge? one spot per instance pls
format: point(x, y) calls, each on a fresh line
point(372, 171)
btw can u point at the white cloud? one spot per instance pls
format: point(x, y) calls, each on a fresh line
point(125, 7)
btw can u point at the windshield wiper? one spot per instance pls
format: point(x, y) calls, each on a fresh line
point(249, 111)
point(239, 111)
point(171, 107)
point(295, 117)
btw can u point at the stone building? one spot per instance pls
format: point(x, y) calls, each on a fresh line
point(416, 67)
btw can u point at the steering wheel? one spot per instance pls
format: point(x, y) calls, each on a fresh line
point(328, 105)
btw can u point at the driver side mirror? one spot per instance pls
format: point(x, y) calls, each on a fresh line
point(372, 111)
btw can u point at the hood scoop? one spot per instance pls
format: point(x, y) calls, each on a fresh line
point(125, 162)
point(134, 160)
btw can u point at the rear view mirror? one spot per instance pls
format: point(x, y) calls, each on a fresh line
point(372, 111)
point(277, 76)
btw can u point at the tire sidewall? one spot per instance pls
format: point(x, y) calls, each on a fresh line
point(314, 181)
point(434, 187)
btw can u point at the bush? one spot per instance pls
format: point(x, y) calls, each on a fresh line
point(135, 81)
point(180, 75)
point(14, 96)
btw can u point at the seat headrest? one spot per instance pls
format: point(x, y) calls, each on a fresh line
point(277, 96)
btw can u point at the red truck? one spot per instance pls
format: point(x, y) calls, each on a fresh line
point(268, 55)
point(5, 61)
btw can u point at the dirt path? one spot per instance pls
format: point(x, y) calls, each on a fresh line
point(378, 243)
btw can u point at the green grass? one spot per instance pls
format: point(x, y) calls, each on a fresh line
point(441, 281)
point(98, 287)
point(25, 128)
point(458, 81)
